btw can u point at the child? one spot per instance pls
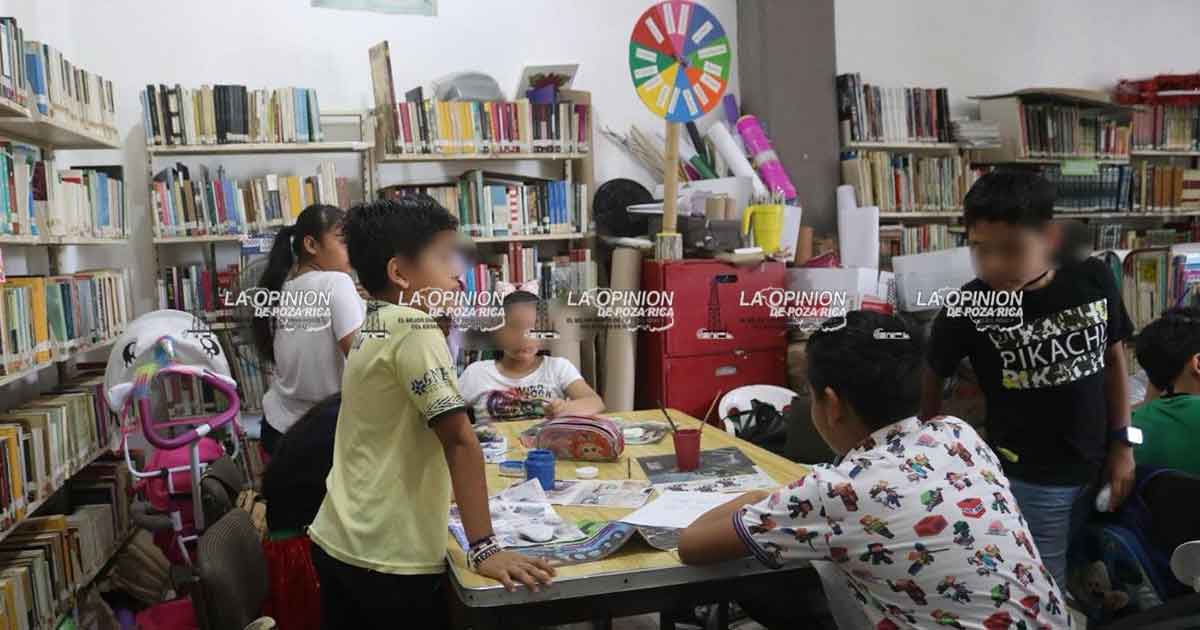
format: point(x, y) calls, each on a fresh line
point(307, 353)
point(1168, 348)
point(403, 440)
point(522, 383)
point(914, 551)
point(1054, 384)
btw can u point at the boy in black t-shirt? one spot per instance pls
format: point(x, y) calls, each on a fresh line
point(1054, 382)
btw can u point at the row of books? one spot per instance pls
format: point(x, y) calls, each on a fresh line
point(497, 204)
point(1117, 236)
point(37, 76)
point(1157, 279)
point(572, 272)
point(1164, 187)
point(900, 240)
point(431, 126)
point(1060, 130)
point(46, 318)
point(870, 113)
point(189, 204)
point(196, 288)
point(1108, 190)
point(1167, 127)
point(900, 182)
point(47, 440)
point(229, 114)
point(250, 373)
point(37, 198)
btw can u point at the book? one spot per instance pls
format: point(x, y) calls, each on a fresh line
point(873, 113)
point(897, 181)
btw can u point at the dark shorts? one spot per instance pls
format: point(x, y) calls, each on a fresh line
point(353, 598)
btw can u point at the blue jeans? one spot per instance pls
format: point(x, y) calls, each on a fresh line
point(1054, 515)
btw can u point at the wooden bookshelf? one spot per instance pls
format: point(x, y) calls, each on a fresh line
point(947, 147)
point(84, 240)
point(946, 214)
point(1052, 160)
point(57, 132)
point(521, 238)
point(1164, 153)
point(11, 108)
point(20, 239)
point(1135, 214)
point(254, 148)
point(461, 157)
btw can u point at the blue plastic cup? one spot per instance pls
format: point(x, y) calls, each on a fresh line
point(539, 464)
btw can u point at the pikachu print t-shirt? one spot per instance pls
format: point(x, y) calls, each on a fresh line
point(920, 521)
point(1044, 379)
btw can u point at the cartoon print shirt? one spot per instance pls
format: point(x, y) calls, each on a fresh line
point(920, 520)
point(1044, 381)
point(497, 398)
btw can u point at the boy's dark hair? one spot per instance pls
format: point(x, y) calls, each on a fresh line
point(1015, 197)
point(1166, 344)
point(878, 376)
point(379, 230)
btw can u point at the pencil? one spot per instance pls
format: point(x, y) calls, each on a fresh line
point(667, 416)
point(710, 409)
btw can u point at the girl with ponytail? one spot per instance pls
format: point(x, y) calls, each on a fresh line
point(310, 270)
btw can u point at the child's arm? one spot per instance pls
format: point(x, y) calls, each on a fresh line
point(582, 399)
point(1119, 467)
point(464, 457)
point(712, 537)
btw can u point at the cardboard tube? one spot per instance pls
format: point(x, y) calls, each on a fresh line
point(620, 350)
point(671, 179)
point(804, 245)
point(714, 208)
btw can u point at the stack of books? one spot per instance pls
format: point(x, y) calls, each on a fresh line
point(46, 318)
point(197, 288)
point(191, 204)
point(1108, 190)
point(1167, 128)
point(454, 127)
point(905, 182)
point(571, 273)
point(14, 85)
point(496, 204)
point(249, 372)
point(1158, 187)
point(87, 202)
point(976, 134)
point(230, 114)
point(870, 113)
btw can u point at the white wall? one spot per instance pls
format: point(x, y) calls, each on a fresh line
point(987, 47)
point(274, 43)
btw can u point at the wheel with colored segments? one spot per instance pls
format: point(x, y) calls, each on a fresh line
point(679, 59)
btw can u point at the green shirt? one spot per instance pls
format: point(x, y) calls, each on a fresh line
point(388, 498)
point(1170, 433)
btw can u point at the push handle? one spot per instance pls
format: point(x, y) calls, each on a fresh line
point(213, 423)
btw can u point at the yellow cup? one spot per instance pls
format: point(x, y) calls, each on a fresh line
point(768, 225)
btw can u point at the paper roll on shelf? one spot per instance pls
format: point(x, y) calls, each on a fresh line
point(734, 157)
point(845, 197)
point(620, 349)
point(770, 169)
point(858, 236)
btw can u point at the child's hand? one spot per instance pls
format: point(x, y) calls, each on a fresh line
point(510, 568)
point(554, 407)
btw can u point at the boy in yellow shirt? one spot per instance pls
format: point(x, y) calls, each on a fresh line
point(403, 440)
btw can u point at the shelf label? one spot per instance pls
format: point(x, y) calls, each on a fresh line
point(1081, 167)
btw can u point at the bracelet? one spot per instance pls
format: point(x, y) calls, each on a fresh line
point(480, 553)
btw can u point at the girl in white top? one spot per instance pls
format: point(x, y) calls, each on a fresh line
point(319, 312)
point(523, 384)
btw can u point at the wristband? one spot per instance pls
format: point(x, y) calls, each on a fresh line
point(481, 551)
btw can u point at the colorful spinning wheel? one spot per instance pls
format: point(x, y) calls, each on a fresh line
point(679, 60)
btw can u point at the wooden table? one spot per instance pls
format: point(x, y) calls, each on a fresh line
point(637, 578)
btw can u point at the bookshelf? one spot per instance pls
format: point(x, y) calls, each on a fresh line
point(268, 147)
point(10, 109)
point(470, 157)
point(946, 147)
point(60, 133)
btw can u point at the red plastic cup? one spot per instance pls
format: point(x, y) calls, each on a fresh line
point(687, 449)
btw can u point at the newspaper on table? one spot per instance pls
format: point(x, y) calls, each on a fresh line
point(516, 508)
point(622, 493)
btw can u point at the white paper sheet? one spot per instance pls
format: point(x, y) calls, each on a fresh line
point(622, 493)
point(855, 283)
point(919, 276)
point(858, 237)
point(845, 197)
point(515, 508)
point(735, 157)
point(676, 509)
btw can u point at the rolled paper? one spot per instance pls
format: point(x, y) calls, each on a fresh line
point(845, 197)
point(734, 157)
point(804, 245)
point(769, 166)
point(620, 349)
point(714, 208)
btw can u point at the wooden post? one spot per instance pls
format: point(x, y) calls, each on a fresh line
point(669, 245)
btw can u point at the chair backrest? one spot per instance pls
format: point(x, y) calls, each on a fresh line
point(219, 488)
point(232, 574)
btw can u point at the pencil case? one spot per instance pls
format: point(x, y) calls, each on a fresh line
point(582, 438)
